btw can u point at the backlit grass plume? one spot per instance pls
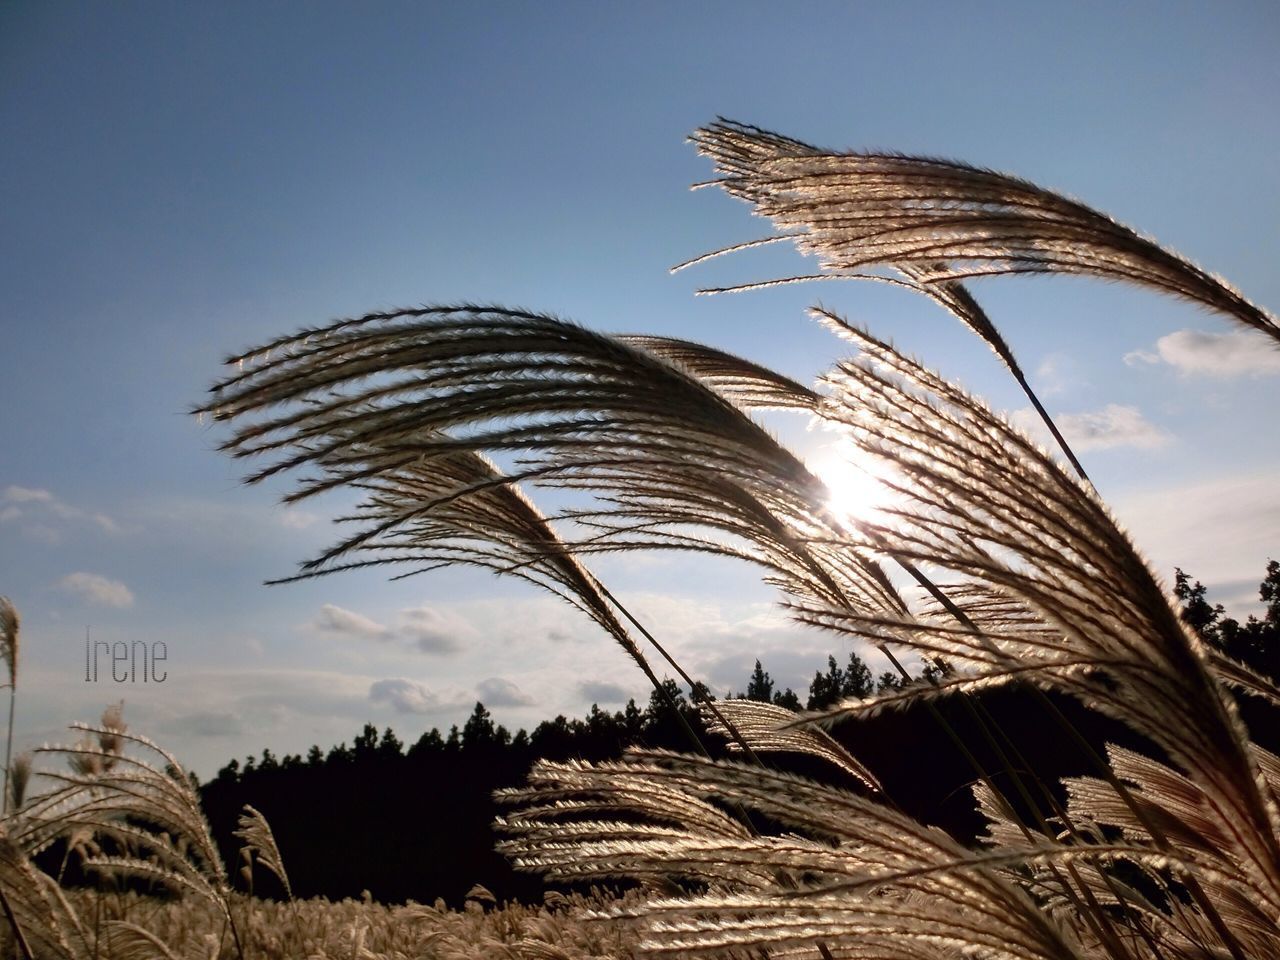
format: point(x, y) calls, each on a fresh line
point(129, 805)
point(941, 221)
point(661, 449)
point(260, 845)
point(872, 881)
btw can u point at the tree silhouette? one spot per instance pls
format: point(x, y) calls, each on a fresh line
point(839, 684)
point(760, 686)
point(1256, 641)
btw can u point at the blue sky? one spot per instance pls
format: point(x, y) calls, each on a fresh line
point(179, 181)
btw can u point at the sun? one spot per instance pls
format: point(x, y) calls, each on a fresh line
point(856, 490)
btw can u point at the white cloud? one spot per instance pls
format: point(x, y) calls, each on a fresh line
point(497, 692)
point(105, 523)
point(404, 696)
point(434, 631)
point(334, 619)
point(98, 589)
point(1237, 353)
point(428, 629)
point(1135, 357)
point(1115, 425)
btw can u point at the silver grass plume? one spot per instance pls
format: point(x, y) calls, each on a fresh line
point(42, 922)
point(453, 506)
point(981, 500)
point(768, 728)
point(937, 222)
point(149, 806)
point(9, 624)
point(850, 872)
point(128, 941)
point(19, 779)
point(662, 450)
point(747, 384)
point(260, 843)
point(941, 221)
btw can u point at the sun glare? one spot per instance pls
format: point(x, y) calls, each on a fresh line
point(855, 488)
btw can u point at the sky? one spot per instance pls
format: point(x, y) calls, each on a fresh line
point(180, 181)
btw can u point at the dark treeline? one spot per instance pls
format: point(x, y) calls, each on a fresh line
point(416, 822)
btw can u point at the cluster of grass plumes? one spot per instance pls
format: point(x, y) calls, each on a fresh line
point(125, 814)
point(134, 926)
point(1015, 572)
point(125, 811)
point(995, 564)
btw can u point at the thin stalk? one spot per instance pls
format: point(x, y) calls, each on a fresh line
point(8, 749)
point(18, 935)
point(235, 934)
point(1048, 422)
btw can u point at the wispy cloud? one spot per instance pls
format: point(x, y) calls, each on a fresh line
point(347, 623)
point(428, 629)
point(207, 724)
point(404, 696)
point(435, 631)
point(1056, 375)
point(38, 507)
point(499, 692)
point(1115, 425)
point(95, 588)
point(296, 519)
point(16, 494)
point(1234, 354)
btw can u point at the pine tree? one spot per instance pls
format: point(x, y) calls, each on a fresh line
point(478, 729)
point(787, 698)
point(760, 686)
